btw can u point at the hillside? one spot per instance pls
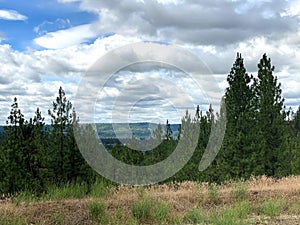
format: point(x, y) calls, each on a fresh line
point(257, 201)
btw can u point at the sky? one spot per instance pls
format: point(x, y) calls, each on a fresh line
point(53, 43)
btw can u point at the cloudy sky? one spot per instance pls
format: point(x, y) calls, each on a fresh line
point(53, 43)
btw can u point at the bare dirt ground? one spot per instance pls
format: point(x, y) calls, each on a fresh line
point(181, 197)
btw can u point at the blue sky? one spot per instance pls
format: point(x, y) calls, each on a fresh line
point(47, 16)
point(52, 43)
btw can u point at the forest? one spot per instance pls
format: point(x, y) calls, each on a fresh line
point(262, 138)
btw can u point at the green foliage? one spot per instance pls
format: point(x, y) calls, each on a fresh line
point(239, 101)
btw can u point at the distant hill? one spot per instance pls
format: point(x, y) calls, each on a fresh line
point(139, 130)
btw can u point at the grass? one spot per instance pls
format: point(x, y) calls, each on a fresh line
point(213, 194)
point(97, 212)
point(141, 210)
point(147, 209)
point(11, 219)
point(57, 218)
point(253, 202)
point(240, 191)
point(100, 189)
point(195, 216)
point(66, 192)
point(271, 208)
point(161, 212)
point(295, 208)
point(234, 215)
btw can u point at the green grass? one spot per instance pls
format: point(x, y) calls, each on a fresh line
point(97, 212)
point(195, 216)
point(240, 191)
point(213, 194)
point(57, 218)
point(271, 208)
point(100, 188)
point(26, 197)
point(11, 219)
point(234, 215)
point(65, 192)
point(147, 209)
point(141, 210)
point(161, 212)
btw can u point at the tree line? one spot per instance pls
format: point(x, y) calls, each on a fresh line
point(261, 138)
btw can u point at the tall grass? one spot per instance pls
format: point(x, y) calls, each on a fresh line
point(272, 207)
point(234, 215)
point(97, 212)
point(195, 216)
point(240, 191)
point(65, 192)
point(146, 210)
point(11, 219)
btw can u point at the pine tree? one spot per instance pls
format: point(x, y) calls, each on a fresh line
point(239, 110)
point(61, 117)
point(15, 174)
point(168, 132)
point(270, 119)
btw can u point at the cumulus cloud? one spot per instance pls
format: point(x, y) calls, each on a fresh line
point(212, 30)
point(197, 22)
point(67, 37)
point(11, 15)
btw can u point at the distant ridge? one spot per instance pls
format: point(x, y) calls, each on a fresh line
point(142, 130)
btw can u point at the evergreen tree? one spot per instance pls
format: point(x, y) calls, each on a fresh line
point(15, 174)
point(61, 118)
point(168, 132)
point(270, 118)
point(239, 110)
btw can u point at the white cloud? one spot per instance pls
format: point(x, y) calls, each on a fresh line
point(11, 15)
point(213, 30)
point(67, 37)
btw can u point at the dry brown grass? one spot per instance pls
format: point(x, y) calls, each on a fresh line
point(181, 197)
